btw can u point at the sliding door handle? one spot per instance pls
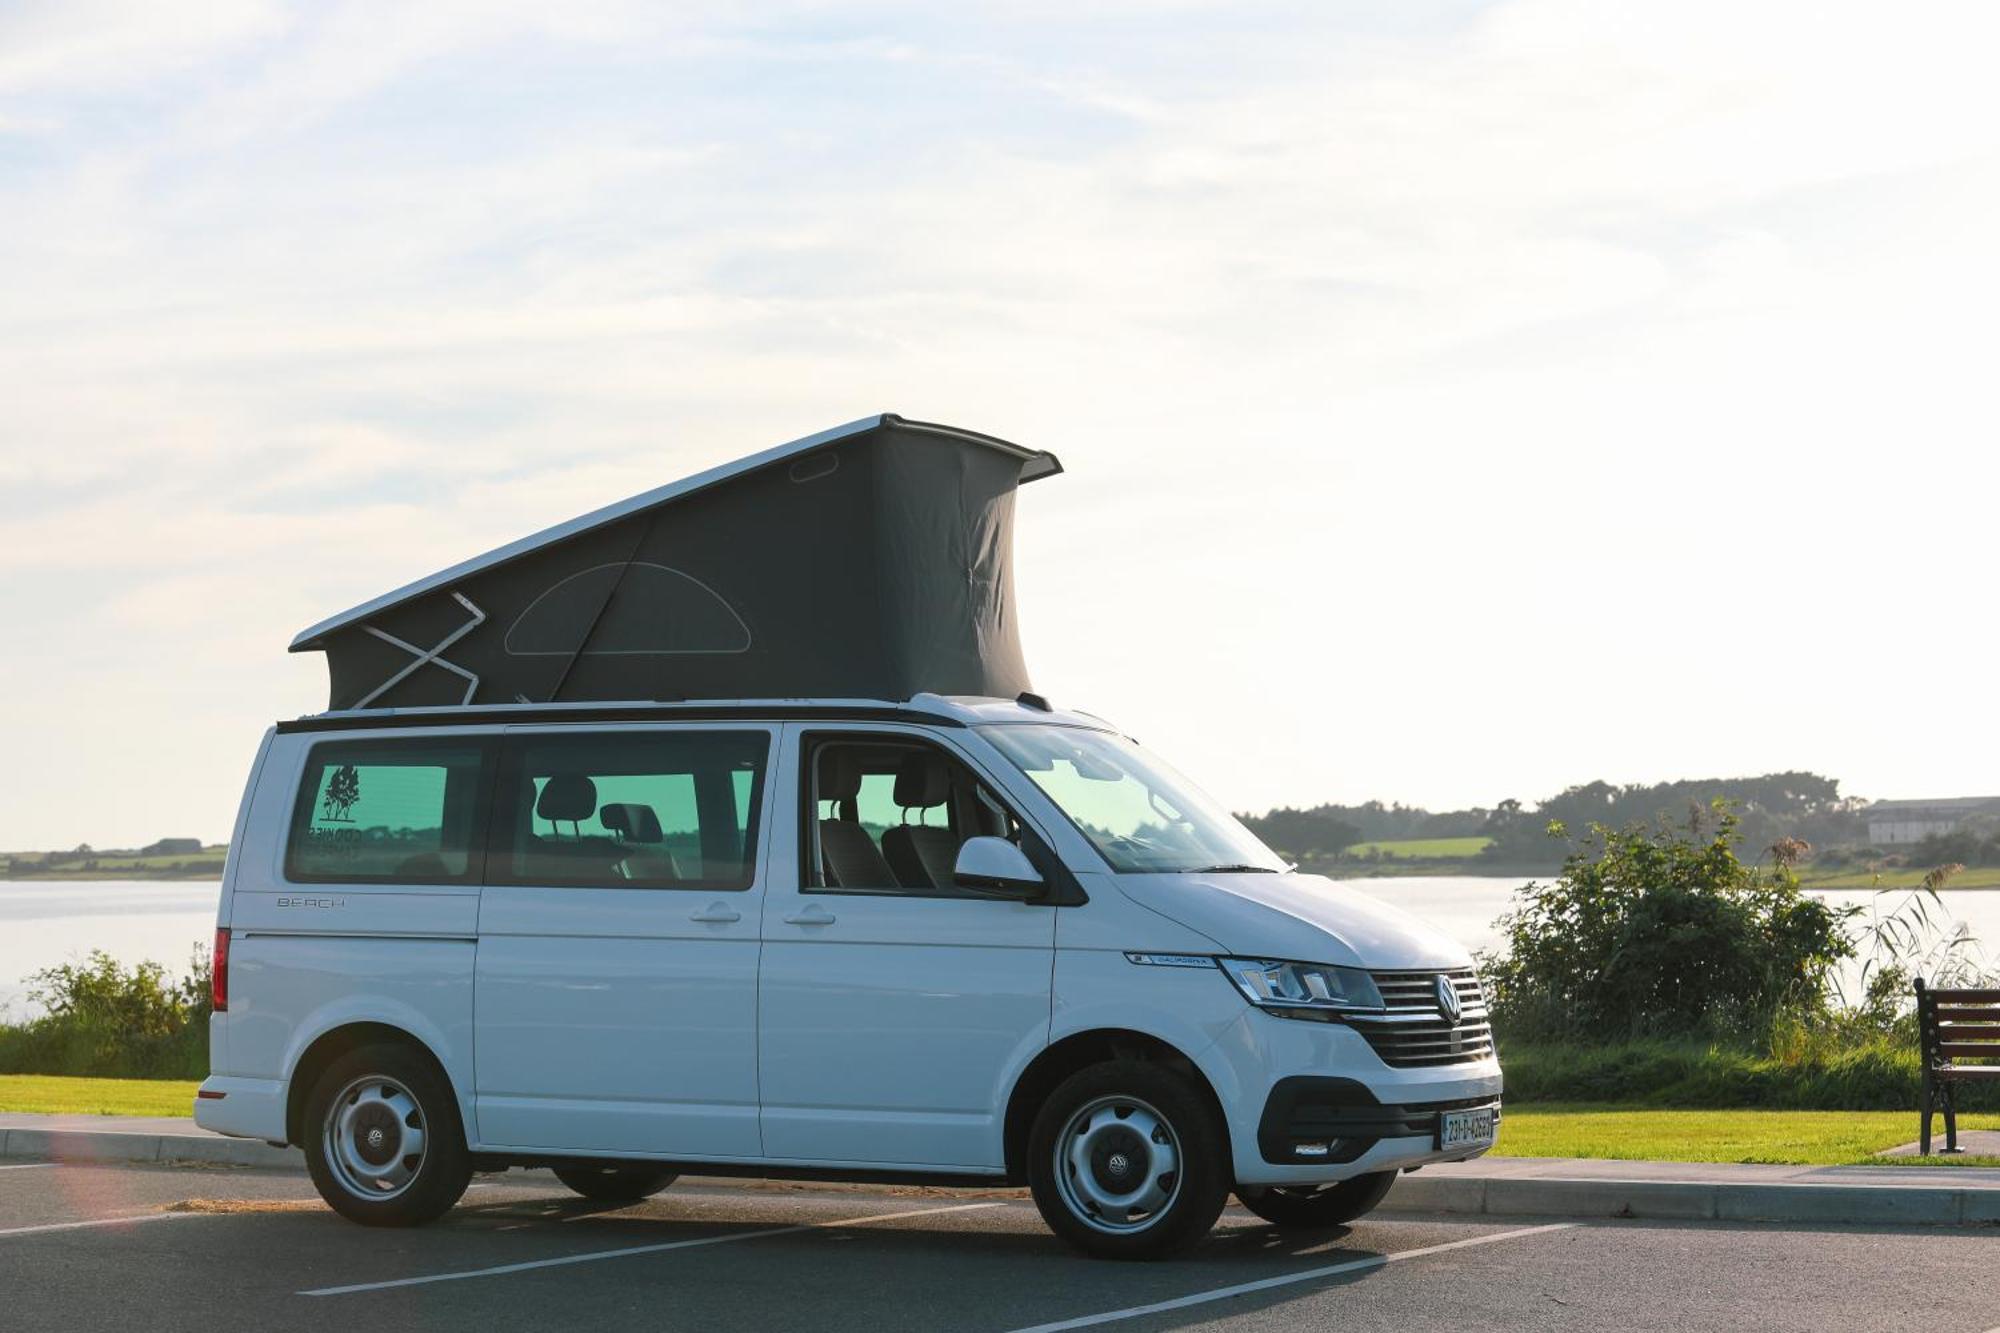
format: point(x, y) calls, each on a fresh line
point(813, 915)
point(719, 912)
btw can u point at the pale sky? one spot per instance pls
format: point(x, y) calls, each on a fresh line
point(1459, 400)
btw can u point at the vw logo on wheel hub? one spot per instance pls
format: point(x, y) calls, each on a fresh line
point(1447, 997)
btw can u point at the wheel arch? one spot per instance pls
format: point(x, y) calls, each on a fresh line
point(1079, 1051)
point(335, 1042)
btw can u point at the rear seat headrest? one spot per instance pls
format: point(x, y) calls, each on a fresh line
point(567, 796)
point(636, 821)
point(922, 781)
point(839, 776)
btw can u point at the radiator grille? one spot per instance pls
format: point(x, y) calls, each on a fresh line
point(1415, 1032)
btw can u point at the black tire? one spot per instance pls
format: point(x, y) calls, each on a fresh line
point(1095, 1115)
point(1312, 1207)
point(366, 1105)
point(616, 1184)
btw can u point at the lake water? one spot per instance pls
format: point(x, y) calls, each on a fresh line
point(46, 923)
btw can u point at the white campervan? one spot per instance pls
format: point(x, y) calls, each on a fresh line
point(962, 939)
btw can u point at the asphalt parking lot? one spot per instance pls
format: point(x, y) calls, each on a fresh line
point(101, 1247)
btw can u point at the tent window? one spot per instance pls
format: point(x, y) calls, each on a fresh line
point(387, 813)
point(654, 809)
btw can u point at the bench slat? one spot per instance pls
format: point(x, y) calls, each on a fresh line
point(1967, 1032)
point(1968, 1072)
point(1960, 1014)
point(1968, 1050)
point(1965, 996)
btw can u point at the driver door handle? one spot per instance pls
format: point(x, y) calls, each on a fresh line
point(718, 912)
point(813, 915)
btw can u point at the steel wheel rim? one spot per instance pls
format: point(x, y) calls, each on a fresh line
point(1118, 1165)
point(374, 1137)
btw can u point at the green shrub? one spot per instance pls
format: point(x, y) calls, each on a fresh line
point(1663, 933)
point(101, 1018)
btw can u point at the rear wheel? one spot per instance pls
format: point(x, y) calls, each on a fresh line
point(616, 1184)
point(1309, 1206)
point(1128, 1161)
point(382, 1138)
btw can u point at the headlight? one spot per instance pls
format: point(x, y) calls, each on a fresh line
point(1303, 990)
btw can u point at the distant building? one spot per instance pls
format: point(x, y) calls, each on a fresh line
point(172, 847)
point(1892, 822)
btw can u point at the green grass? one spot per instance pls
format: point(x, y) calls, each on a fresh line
point(42, 1094)
point(1807, 1138)
point(1422, 848)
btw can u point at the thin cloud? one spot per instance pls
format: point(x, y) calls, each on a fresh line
point(1485, 377)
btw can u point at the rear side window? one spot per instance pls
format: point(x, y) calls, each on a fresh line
point(395, 812)
point(653, 809)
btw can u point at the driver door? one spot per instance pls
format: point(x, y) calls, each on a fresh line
point(893, 1008)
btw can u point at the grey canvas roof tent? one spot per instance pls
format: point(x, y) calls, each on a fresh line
point(873, 560)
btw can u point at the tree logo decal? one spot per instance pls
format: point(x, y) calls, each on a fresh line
point(342, 791)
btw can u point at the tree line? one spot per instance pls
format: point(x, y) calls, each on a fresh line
point(1768, 807)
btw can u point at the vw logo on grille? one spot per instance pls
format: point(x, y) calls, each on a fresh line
point(1448, 1004)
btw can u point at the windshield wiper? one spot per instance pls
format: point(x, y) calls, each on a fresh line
point(1229, 870)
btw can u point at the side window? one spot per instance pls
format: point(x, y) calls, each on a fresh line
point(888, 815)
point(654, 809)
point(388, 812)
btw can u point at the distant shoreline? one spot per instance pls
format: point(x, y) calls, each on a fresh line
point(114, 877)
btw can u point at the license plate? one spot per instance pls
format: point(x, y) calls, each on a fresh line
point(1466, 1129)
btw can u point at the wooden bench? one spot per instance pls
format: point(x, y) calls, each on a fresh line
point(1954, 1026)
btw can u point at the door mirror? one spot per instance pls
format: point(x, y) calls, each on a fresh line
point(995, 868)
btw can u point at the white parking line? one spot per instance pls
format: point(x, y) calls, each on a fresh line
point(594, 1255)
point(1288, 1279)
point(24, 1166)
point(133, 1220)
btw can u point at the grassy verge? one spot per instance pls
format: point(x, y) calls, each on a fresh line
point(1879, 1076)
point(1810, 1138)
point(45, 1094)
point(1422, 848)
point(1806, 1138)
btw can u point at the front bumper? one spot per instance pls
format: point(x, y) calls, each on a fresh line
point(1310, 1121)
point(1389, 1114)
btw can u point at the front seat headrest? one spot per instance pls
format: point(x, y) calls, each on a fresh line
point(839, 776)
point(568, 796)
point(922, 780)
point(636, 821)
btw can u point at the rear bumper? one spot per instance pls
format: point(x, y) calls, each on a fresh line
point(244, 1108)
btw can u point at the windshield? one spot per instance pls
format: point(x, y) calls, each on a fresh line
point(1140, 814)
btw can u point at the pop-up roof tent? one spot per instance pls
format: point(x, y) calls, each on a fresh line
point(869, 561)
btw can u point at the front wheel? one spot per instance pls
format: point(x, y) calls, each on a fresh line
point(382, 1138)
point(1127, 1160)
point(1314, 1206)
point(615, 1184)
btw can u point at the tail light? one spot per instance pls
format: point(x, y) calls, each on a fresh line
point(218, 972)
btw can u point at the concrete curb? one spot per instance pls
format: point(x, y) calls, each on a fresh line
point(1423, 1192)
point(67, 1145)
point(1696, 1201)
